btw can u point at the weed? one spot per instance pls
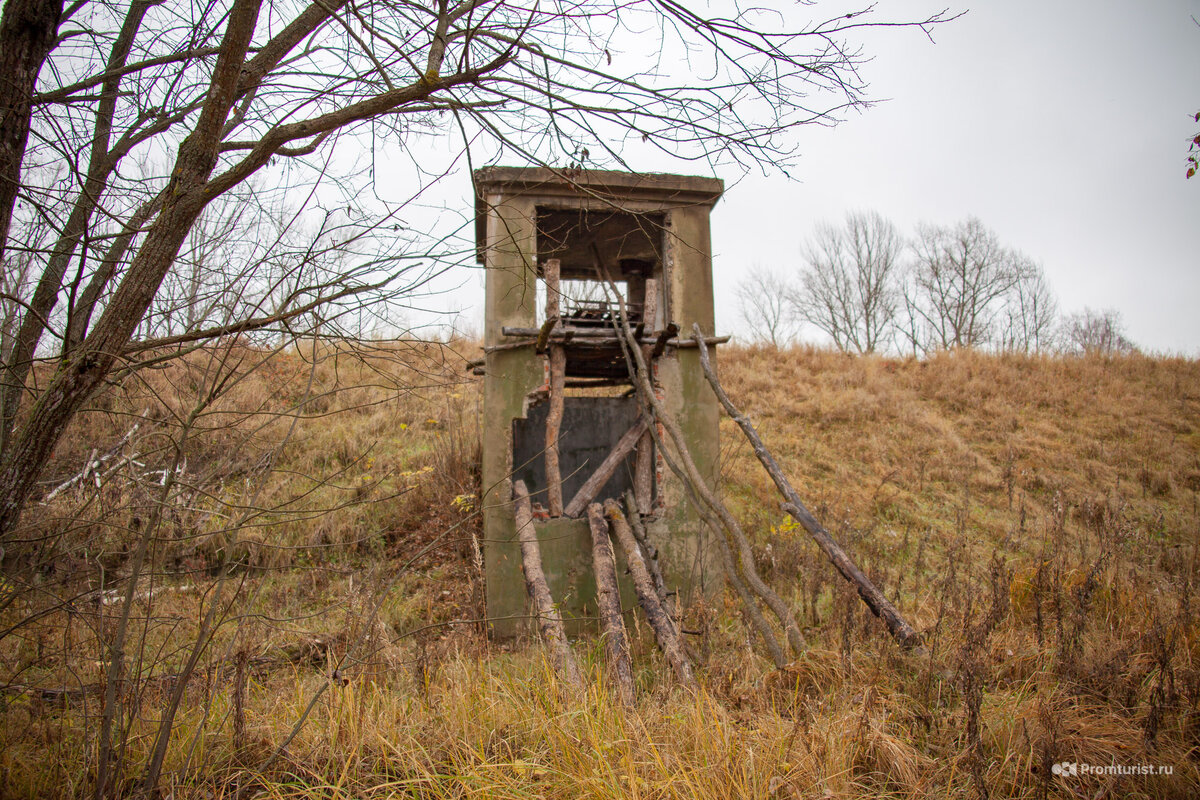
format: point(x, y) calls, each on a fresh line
point(1044, 541)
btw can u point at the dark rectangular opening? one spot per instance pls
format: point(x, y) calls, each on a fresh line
point(590, 429)
point(629, 243)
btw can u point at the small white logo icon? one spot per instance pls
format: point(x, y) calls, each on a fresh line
point(1065, 768)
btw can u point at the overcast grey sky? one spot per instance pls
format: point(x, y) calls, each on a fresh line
point(1063, 125)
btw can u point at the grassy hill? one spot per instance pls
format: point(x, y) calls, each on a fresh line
point(313, 518)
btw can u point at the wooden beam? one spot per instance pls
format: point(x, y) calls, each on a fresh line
point(649, 551)
point(643, 467)
point(551, 271)
point(581, 332)
point(587, 493)
point(665, 632)
point(499, 348)
point(549, 620)
point(643, 474)
point(649, 308)
point(687, 344)
point(589, 337)
point(880, 606)
point(554, 417)
point(558, 373)
point(608, 601)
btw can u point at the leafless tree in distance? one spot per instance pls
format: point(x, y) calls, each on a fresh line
point(217, 93)
point(179, 179)
point(1030, 313)
point(850, 286)
point(1091, 332)
point(764, 308)
point(957, 286)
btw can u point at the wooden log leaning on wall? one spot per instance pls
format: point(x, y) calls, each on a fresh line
point(650, 552)
point(558, 374)
point(592, 486)
point(870, 594)
point(737, 555)
point(643, 469)
point(550, 623)
point(665, 631)
point(608, 599)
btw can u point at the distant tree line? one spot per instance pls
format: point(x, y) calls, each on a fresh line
point(871, 289)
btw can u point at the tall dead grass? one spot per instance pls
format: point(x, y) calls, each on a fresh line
point(1035, 517)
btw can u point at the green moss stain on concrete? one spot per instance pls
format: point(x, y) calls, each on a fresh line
point(507, 213)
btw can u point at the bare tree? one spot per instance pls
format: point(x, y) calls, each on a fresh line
point(220, 92)
point(1091, 332)
point(764, 307)
point(850, 288)
point(182, 178)
point(27, 34)
point(1027, 322)
point(958, 284)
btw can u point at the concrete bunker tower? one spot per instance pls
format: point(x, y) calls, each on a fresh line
point(554, 364)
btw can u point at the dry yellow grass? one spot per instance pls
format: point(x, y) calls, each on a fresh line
point(1036, 517)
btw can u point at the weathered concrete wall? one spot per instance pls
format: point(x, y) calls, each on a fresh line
point(511, 375)
point(690, 400)
point(507, 213)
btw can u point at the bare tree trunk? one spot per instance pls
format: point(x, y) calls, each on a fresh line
point(186, 198)
point(27, 34)
point(665, 631)
point(101, 164)
point(550, 622)
point(189, 190)
point(608, 599)
point(875, 600)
